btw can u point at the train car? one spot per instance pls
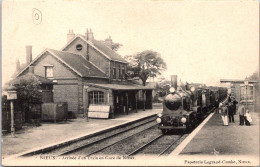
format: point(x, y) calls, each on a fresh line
point(185, 107)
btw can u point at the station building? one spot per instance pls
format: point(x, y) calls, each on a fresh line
point(89, 76)
point(246, 91)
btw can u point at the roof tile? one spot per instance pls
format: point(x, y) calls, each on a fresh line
point(80, 64)
point(106, 50)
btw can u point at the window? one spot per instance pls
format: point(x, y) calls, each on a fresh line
point(114, 73)
point(123, 73)
point(79, 47)
point(49, 71)
point(96, 97)
point(119, 72)
point(247, 92)
point(140, 95)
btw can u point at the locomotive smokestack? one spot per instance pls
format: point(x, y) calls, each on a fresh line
point(174, 81)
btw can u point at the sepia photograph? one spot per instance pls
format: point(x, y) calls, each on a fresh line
point(130, 83)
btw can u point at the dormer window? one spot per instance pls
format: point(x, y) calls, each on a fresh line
point(49, 71)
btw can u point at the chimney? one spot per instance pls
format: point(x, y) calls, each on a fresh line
point(18, 67)
point(31, 69)
point(174, 81)
point(90, 36)
point(28, 54)
point(86, 34)
point(109, 42)
point(70, 35)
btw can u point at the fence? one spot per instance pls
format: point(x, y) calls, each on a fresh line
point(6, 115)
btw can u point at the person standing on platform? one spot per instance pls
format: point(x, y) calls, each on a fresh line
point(241, 112)
point(248, 118)
point(230, 112)
point(234, 105)
point(224, 114)
point(229, 98)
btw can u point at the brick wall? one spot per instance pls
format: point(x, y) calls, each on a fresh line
point(94, 56)
point(99, 60)
point(72, 47)
point(67, 93)
point(80, 96)
point(69, 85)
point(59, 70)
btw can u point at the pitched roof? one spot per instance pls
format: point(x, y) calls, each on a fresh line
point(108, 51)
point(80, 64)
point(75, 62)
point(40, 79)
point(101, 47)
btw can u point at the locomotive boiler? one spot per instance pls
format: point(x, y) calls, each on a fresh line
point(186, 105)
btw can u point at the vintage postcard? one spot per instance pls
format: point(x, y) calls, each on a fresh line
point(130, 83)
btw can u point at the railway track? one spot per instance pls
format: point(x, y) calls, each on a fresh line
point(102, 138)
point(161, 145)
point(141, 137)
point(149, 142)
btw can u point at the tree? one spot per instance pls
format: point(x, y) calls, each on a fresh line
point(164, 86)
point(116, 46)
point(145, 64)
point(113, 45)
point(28, 93)
point(254, 76)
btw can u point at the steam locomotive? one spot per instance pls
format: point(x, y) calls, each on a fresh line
point(185, 107)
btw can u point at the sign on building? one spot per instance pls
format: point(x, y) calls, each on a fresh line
point(98, 111)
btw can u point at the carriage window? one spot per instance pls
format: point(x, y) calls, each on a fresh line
point(96, 97)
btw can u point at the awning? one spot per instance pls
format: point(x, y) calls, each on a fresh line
point(237, 81)
point(121, 86)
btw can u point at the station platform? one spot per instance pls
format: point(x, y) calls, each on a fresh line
point(48, 134)
point(215, 139)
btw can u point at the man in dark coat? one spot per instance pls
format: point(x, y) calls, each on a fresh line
point(230, 112)
point(234, 105)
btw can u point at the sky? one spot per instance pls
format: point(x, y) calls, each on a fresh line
point(201, 41)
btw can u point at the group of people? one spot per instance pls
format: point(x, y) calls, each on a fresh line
point(228, 110)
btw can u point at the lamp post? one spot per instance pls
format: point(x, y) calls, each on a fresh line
point(12, 95)
point(246, 82)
